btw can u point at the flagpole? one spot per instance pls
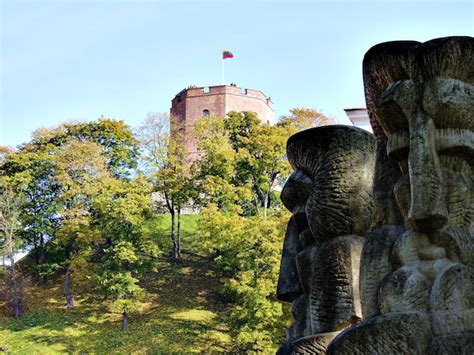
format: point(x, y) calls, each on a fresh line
point(222, 72)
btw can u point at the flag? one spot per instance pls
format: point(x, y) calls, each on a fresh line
point(227, 54)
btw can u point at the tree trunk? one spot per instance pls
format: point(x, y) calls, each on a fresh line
point(256, 203)
point(124, 320)
point(170, 205)
point(173, 235)
point(178, 244)
point(36, 250)
point(67, 289)
point(265, 204)
point(41, 257)
point(16, 297)
point(41, 250)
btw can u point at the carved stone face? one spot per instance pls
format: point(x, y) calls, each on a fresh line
point(421, 100)
point(417, 268)
point(429, 126)
point(329, 195)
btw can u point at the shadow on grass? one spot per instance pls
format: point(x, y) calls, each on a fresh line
point(183, 315)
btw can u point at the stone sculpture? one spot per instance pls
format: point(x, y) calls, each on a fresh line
point(329, 195)
point(417, 267)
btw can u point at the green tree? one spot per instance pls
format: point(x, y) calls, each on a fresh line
point(249, 250)
point(34, 168)
point(101, 224)
point(303, 118)
point(125, 252)
point(216, 179)
point(10, 225)
point(80, 168)
point(116, 139)
point(119, 285)
point(261, 152)
point(243, 161)
point(168, 167)
point(127, 295)
point(33, 174)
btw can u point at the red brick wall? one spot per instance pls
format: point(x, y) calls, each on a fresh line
point(253, 101)
point(218, 100)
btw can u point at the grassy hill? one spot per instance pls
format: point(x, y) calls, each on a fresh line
point(182, 312)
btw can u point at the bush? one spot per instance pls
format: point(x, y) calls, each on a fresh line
point(249, 250)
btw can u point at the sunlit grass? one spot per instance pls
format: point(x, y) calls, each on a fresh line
point(159, 229)
point(181, 314)
point(195, 315)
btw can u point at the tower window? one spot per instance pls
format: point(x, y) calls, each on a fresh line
point(205, 113)
point(206, 90)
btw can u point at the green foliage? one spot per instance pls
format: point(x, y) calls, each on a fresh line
point(116, 139)
point(178, 314)
point(33, 176)
point(241, 127)
point(124, 252)
point(80, 197)
point(46, 270)
point(169, 168)
point(248, 252)
point(122, 288)
point(243, 161)
point(217, 168)
point(11, 201)
point(57, 172)
point(301, 118)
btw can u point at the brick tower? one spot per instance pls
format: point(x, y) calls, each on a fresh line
point(189, 105)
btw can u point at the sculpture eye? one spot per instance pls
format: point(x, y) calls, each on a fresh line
point(402, 194)
point(398, 145)
point(403, 164)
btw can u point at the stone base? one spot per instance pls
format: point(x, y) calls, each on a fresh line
point(313, 344)
point(456, 344)
point(390, 334)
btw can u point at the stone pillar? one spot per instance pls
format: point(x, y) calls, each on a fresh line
point(329, 195)
point(417, 267)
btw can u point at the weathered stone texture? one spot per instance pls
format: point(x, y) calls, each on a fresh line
point(329, 195)
point(390, 334)
point(417, 272)
point(334, 292)
point(315, 344)
point(417, 263)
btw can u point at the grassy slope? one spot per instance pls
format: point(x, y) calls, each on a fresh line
point(182, 313)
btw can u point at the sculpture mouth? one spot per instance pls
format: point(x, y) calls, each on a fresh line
point(429, 224)
point(288, 296)
point(300, 219)
point(427, 249)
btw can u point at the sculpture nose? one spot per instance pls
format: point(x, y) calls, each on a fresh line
point(289, 286)
point(428, 210)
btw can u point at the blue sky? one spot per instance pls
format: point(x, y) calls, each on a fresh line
point(70, 60)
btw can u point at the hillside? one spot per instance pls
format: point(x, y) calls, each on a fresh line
point(182, 313)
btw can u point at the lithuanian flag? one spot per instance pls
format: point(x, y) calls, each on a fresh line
point(227, 54)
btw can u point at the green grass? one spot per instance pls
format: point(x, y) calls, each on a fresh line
point(159, 228)
point(182, 313)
